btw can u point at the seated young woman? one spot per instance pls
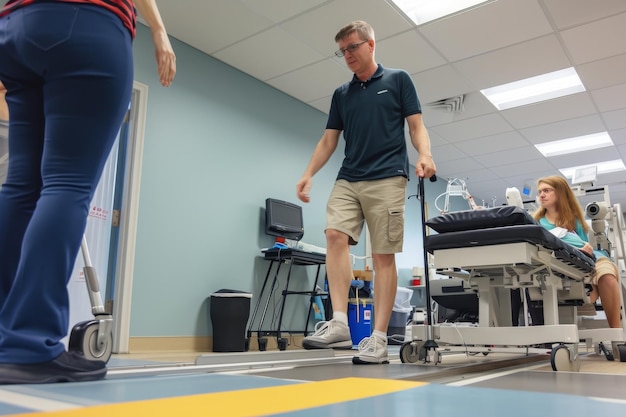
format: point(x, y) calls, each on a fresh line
point(561, 213)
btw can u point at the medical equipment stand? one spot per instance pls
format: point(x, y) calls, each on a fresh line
point(93, 338)
point(426, 351)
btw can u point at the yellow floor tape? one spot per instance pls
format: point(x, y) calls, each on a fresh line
point(247, 403)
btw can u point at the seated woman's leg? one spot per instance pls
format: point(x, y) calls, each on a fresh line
point(607, 287)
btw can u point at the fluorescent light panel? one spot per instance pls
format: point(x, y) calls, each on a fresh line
point(603, 168)
point(534, 89)
point(577, 144)
point(423, 11)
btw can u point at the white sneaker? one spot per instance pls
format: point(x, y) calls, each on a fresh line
point(372, 350)
point(329, 334)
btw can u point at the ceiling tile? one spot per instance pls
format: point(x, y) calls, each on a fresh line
point(447, 152)
point(279, 10)
point(510, 64)
point(522, 168)
point(564, 129)
point(564, 108)
point(208, 26)
point(615, 119)
point(318, 27)
point(603, 73)
point(280, 54)
point(509, 156)
point(478, 31)
point(439, 83)
point(488, 125)
point(490, 144)
point(587, 43)
point(456, 168)
point(322, 104)
point(408, 51)
point(618, 136)
point(589, 157)
point(608, 99)
point(311, 82)
point(566, 13)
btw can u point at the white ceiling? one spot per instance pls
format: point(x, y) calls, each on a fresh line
point(289, 44)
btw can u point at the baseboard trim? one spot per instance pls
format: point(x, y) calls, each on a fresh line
point(198, 344)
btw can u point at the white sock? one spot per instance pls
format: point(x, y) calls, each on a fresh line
point(379, 335)
point(340, 317)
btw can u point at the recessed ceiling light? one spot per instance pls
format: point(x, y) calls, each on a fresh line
point(535, 89)
point(603, 167)
point(577, 144)
point(423, 11)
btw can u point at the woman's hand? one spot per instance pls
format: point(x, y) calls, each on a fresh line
point(165, 57)
point(588, 249)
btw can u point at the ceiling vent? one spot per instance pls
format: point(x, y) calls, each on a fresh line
point(451, 105)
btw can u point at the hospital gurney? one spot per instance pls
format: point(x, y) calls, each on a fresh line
point(496, 250)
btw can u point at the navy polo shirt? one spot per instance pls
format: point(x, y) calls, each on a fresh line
point(371, 114)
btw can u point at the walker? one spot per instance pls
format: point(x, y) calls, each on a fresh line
point(426, 351)
point(93, 338)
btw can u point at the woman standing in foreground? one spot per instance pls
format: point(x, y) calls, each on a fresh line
point(68, 70)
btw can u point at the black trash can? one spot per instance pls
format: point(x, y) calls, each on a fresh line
point(229, 315)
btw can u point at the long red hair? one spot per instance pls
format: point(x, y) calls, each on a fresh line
point(568, 209)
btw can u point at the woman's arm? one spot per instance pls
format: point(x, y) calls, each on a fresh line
point(163, 51)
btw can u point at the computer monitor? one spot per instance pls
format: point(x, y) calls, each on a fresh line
point(283, 219)
point(584, 175)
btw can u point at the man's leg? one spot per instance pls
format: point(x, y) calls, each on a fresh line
point(383, 205)
point(338, 269)
point(335, 333)
point(385, 286)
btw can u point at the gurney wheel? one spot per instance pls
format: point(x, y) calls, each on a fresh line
point(561, 361)
point(282, 343)
point(411, 352)
point(84, 340)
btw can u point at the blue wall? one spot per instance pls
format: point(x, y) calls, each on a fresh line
point(217, 144)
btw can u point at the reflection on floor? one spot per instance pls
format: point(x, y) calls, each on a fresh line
point(325, 383)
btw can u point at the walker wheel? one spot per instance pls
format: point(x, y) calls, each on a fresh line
point(619, 351)
point(84, 340)
point(411, 352)
point(561, 361)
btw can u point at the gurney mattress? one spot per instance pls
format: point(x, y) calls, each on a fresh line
point(454, 233)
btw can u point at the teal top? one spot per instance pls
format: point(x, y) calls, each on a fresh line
point(577, 238)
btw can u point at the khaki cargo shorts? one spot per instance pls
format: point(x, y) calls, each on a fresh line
point(379, 203)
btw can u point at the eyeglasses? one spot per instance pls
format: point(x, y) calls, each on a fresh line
point(350, 48)
point(545, 191)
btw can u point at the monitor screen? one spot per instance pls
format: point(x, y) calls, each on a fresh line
point(585, 174)
point(283, 219)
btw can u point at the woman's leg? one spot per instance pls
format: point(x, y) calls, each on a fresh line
point(608, 289)
point(86, 81)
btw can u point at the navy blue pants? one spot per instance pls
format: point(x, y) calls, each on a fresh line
point(68, 71)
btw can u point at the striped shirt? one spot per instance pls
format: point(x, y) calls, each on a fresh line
point(124, 9)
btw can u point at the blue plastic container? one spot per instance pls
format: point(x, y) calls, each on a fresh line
point(360, 318)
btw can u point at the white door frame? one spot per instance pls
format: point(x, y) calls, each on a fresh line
point(128, 222)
